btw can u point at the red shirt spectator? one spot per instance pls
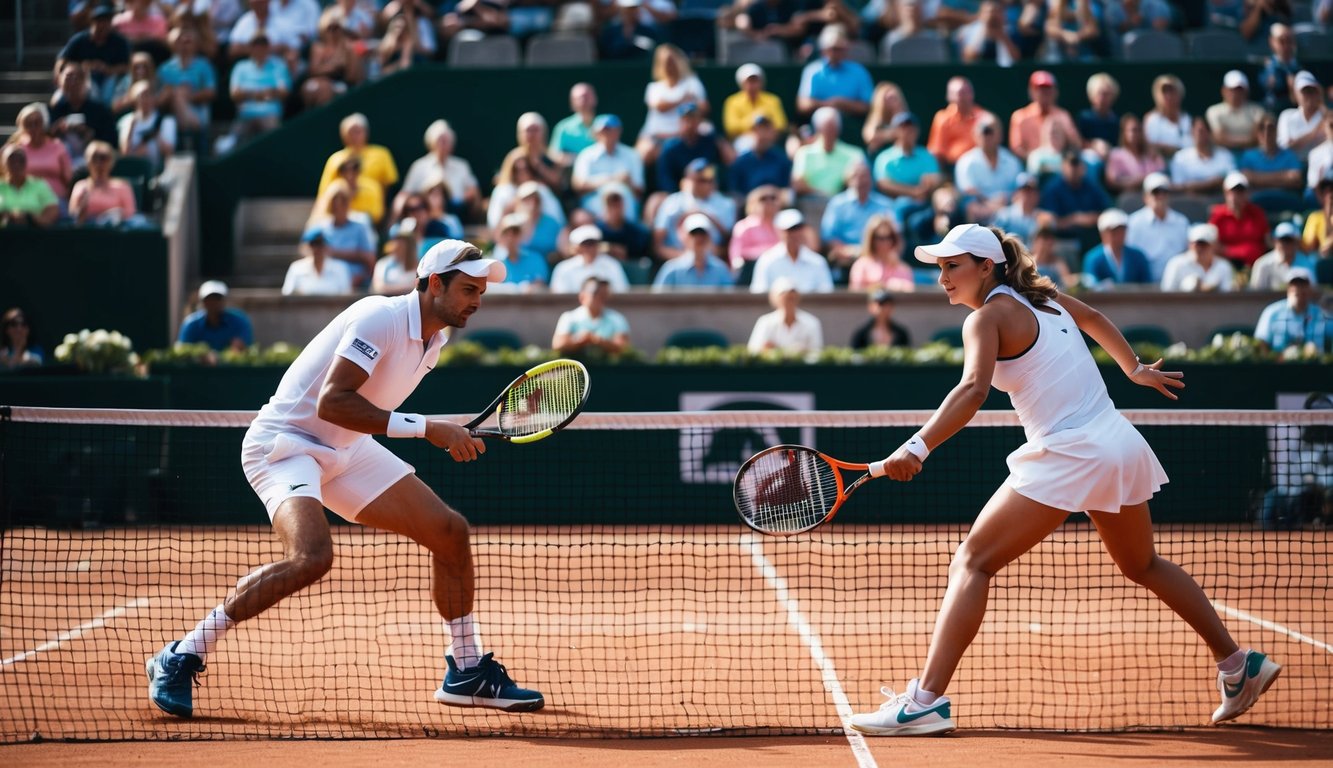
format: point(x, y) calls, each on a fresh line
point(1028, 126)
point(953, 131)
point(1242, 227)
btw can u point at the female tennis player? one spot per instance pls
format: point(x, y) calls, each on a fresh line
point(1080, 455)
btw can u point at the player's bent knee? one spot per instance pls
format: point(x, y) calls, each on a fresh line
point(314, 562)
point(1138, 570)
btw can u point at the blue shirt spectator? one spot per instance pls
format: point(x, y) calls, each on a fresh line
point(524, 267)
point(1296, 320)
point(1279, 68)
point(893, 164)
point(1102, 269)
point(832, 77)
point(696, 267)
point(1072, 193)
point(1255, 159)
point(846, 214)
point(765, 162)
point(194, 76)
point(216, 324)
point(250, 76)
point(625, 238)
point(353, 234)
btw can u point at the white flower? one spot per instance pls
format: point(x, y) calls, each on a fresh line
point(84, 334)
point(62, 351)
point(71, 339)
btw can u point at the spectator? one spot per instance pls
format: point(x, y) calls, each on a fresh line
point(689, 146)
point(764, 163)
point(885, 105)
point(1134, 159)
point(140, 23)
point(740, 110)
point(1045, 159)
point(832, 80)
point(1298, 128)
point(1022, 217)
point(350, 237)
point(334, 64)
point(1050, 264)
point(1271, 270)
point(1029, 124)
point(1074, 30)
point(880, 330)
point(416, 222)
point(1317, 237)
point(527, 269)
point(654, 16)
point(574, 134)
point(367, 195)
point(953, 130)
point(756, 233)
point(625, 38)
point(1074, 200)
point(376, 161)
point(787, 330)
point(820, 166)
point(1131, 15)
point(880, 263)
point(608, 162)
point(48, 159)
point(987, 173)
point(315, 274)
point(408, 39)
point(504, 197)
point(1242, 227)
point(1258, 16)
point(772, 20)
point(1302, 472)
point(396, 271)
point(822, 14)
point(1321, 157)
point(1274, 173)
point(1099, 125)
point(913, 21)
point(214, 323)
point(1201, 167)
point(1279, 68)
point(142, 68)
point(19, 348)
point(457, 172)
point(987, 38)
point(626, 239)
point(1199, 269)
point(698, 194)
point(77, 119)
point(484, 17)
point(300, 16)
point(24, 200)
point(104, 53)
point(358, 17)
point(587, 262)
point(696, 266)
point(1167, 126)
point(1235, 121)
point(1113, 263)
point(531, 137)
point(946, 211)
point(101, 199)
point(147, 132)
point(845, 217)
point(190, 85)
point(541, 231)
point(259, 21)
point(674, 86)
point(1297, 320)
point(593, 325)
point(905, 172)
point(1156, 229)
point(258, 86)
point(791, 259)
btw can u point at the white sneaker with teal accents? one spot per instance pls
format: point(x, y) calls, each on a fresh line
point(1241, 690)
point(902, 716)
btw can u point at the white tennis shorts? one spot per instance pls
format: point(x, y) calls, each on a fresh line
point(345, 480)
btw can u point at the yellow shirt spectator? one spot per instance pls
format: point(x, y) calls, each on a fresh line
point(369, 199)
point(1316, 234)
point(740, 108)
point(376, 165)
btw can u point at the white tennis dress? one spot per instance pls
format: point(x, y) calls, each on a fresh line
point(1081, 453)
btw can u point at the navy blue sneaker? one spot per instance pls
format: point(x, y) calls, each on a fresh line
point(486, 685)
point(171, 680)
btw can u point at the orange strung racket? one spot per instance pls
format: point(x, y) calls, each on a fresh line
point(789, 489)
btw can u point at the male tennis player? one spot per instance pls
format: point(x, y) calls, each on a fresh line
point(1023, 337)
point(310, 447)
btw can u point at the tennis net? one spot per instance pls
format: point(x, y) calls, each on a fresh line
point(614, 576)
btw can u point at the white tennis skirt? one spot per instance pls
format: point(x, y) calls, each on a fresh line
point(1101, 466)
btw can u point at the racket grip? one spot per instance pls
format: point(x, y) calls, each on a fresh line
point(877, 468)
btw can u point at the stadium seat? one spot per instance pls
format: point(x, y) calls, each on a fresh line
point(861, 51)
point(1323, 271)
point(560, 50)
point(703, 7)
point(724, 39)
point(951, 336)
point(1313, 42)
point(1147, 334)
point(494, 338)
point(763, 52)
point(1216, 44)
point(695, 34)
point(915, 50)
point(1195, 207)
point(696, 338)
point(498, 51)
point(1129, 201)
point(812, 208)
point(638, 271)
point(1152, 45)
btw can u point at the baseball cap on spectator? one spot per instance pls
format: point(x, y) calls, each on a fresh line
point(788, 219)
point(512, 221)
point(699, 165)
point(1325, 181)
point(1286, 230)
point(528, 189)
point(697, 221)
point(260, 38)
point(1027, 180)
point(1041, 78)
point(103, 11)
point(1203, 233)
point(628, 3)
point(964, 238)
point(212, 288)
point(760, 119)
point(443, 257)
point(1112, 218)
point(1155, 181)
point(313, 235)
point(689, 108)
point(903, 118)
point(746, 71)
point(1235, 79)
point(832, 36)
point(604, 122)
point(1300, 273)
point(882, 297)
point(1235, 179)
point(588, 233)
point(1304, 79)
point(782, 285)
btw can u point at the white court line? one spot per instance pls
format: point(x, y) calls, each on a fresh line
point(1236, 613)
point(87, 626)
point(808, 634)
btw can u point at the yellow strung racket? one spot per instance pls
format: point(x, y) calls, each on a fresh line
point(537, 404)
point(789, 489)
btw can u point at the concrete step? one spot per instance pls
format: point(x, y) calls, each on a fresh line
point(37, 31)
point(34, 56)
point(266, 258)
point(27, 80)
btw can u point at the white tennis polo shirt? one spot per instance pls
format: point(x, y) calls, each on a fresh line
point(382, 334)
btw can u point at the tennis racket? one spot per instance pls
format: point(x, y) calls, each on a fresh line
point(789, 489)
point(537, 404)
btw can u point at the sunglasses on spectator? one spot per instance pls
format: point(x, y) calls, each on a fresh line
point(988, 129)
point(889, 237)
point(101, 156)
point(767, 198)
point(413, 208)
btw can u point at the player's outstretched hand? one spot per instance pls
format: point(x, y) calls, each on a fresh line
point(455, 439)
point(1152, 375)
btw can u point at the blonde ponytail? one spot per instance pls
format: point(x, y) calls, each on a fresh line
point(1020, 270)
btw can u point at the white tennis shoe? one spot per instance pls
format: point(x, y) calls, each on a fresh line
point(1241, 690)
point(902, 716)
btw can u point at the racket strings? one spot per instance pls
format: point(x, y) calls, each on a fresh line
point(787, 490)
point(543, 401)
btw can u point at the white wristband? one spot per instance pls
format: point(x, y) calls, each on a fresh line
point(916, 445)
point(406, 425)
point(877, 468)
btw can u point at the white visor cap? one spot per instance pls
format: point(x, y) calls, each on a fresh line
point(964, 238)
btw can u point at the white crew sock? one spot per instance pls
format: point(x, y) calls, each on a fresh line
point(921, 696)
point(466, 642)
point(1233, 663)
point(206, 634)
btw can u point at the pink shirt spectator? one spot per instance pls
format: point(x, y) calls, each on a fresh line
point(51, 164)
point(749, 239)
point(151, 27)
point(868, 274)
point(1122, 164)
point(116, 193)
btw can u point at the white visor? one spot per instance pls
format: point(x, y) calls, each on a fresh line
point(964, 238)
point(442, 258)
